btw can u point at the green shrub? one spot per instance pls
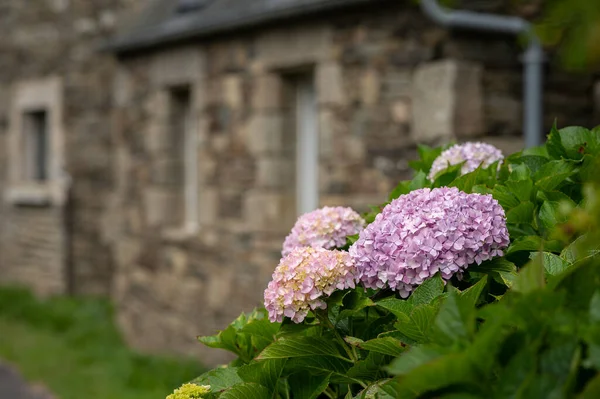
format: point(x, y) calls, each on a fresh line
point(523, 325)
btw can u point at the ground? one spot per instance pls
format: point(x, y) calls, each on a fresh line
point(13, 386)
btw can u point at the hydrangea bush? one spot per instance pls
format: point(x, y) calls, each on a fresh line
point(479, 278)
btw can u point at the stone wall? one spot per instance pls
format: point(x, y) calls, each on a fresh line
point(385, 81)
point(60, 38)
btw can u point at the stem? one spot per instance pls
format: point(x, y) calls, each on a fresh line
point(329, 392)
point(322, 316)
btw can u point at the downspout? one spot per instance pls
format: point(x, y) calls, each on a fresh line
point(533, 58)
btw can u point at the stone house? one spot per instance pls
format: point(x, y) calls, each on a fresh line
point(164, 169)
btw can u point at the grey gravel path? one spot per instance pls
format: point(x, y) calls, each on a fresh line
point(13, 386)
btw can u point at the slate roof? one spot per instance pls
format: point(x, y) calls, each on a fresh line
point(162, 23)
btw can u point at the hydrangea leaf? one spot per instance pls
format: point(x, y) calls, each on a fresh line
point(419, 324)
point(550, 214)
point(427, 156)
point(455, 318)
point(533, 162)
point(246, 391)
point(322, 365)
point(592, 389)
point(449, 370)
point(471, 295)
point(419, 181)
point(428, 291)
point(554, 144)
point(415, 357)
point(399, 307)
point(505, 197)
point(447, 176)
point(402, 188)
point(385, 345)
point(265, 372)
point(521, 214)
point(522, 189)
point(219, 379)
point(530, 278)
point(300, 347)
point(533, 243)
point(554, 265)
point(370, 369)
point(578, 141)
point(595, 307)
point(553, 174)
point(304, 385)
point(500, 269)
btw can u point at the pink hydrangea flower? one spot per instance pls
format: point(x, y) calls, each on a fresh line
point(429, 231)
point(475, 155)
point(326, 228)
point(303, 278)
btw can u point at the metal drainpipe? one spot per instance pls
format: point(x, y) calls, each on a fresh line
point(533, 57)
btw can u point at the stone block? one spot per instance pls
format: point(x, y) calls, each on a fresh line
point(178, 66)
point(233, 93)
point(269, 211)
point(327, 121)
point(330, 84)
point(293, 46)
point(447, 101)
point(370, 85)
point(162, 207)
point(266, 135)
point(168, 171)
point(267, 92)
point(208, 206)
point(401, 111)
point(275, 172)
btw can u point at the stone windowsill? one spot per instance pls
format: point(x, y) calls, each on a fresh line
point(180, 234)
point(30, 194)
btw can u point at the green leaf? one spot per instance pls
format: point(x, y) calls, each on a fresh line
point(578, 141)
point(418, 326)
point(595, 308)
point(247, 390)
point(322, 365)
point(454, 318)
point(307, 386)
point(262, 332)
point(399, 307)
point(481, 189)
point(427, 291)
point(386, 345)
point(522, 189)
point(370, 368)
point(499, 268)
point(550, 214)
point(553, 174)
point(553, 264)
point(219, 379)
point(530, 278)
point(427, 155)
point(532, 243)
point(554, 144)
point(521, 214)
point(266, 372)
point(471, 295)
point(445, 371)
point(402, 188)
point(419, 181)
point(505, 197)
point(300, 347)
point(415, 357)
point(447, 176)
point(533, 162)
point(592, 389)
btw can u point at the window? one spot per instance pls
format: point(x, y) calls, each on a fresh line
point(36, 141)
point(182, 158)
point(36, 174)
point(307, 143)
